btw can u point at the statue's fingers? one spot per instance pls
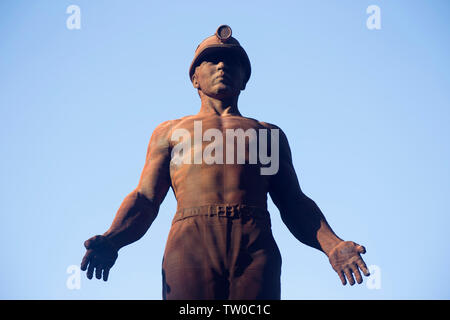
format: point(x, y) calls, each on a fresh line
point(85, 261)
point(349, 276)
point(105, 274)
point(342, 277)
point(90, 270)
point(361, 264)
point(357, 274)
point(98, 271)
point(89, 243)
point(360, 249)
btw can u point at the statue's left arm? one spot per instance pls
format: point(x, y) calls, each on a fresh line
point(306, 221)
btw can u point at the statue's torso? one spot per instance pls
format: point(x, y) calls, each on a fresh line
point(204, 177)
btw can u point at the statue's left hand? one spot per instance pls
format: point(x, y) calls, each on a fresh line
point(100, 255)
point(346, 260)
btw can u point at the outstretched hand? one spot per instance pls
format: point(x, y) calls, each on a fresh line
point(101, 256)
point(346, 260)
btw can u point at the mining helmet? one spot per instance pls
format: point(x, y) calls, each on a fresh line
point(221, 40)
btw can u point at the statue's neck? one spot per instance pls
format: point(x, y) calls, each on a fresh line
point(219, 106)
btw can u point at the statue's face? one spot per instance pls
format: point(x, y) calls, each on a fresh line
point(220, 75)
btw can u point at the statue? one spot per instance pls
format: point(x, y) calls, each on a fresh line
point(220, 245)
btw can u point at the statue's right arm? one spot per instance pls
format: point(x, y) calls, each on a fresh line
point(137, 211)
point(140, 208)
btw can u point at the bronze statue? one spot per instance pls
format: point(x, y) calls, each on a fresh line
point(220, 245)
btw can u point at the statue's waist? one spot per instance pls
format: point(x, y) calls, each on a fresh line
point(222, 210)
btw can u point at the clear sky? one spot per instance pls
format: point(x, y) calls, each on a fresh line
point(366, 112)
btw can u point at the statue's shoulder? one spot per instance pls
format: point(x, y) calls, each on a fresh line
point(260, 124)
point(168, 125)
point(271, 126)
point(166, 128)
point(268, 125)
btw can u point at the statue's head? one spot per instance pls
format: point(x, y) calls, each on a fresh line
point(221, 67)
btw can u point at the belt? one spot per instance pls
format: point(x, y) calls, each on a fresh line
point(228, 211)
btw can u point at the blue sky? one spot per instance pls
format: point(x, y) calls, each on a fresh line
point(366, 113)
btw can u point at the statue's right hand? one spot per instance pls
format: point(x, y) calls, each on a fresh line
point(100, 255)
